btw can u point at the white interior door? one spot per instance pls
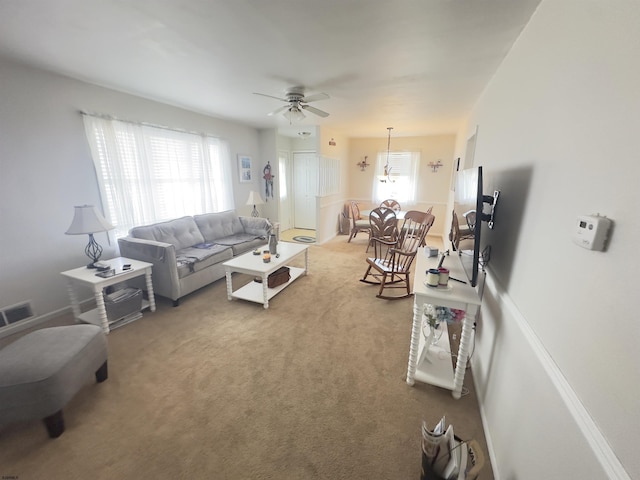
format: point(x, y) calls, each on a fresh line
point(285, 188)
point(305, 181)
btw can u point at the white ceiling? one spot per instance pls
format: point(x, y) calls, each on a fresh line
point(416, 65)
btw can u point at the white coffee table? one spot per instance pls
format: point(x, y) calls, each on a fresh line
point(251, 264)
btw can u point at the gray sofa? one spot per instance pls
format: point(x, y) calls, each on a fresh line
point(187, 253)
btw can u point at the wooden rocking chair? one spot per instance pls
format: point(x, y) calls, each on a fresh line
point(391, 264)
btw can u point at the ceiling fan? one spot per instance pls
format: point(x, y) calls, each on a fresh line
point(296, 103)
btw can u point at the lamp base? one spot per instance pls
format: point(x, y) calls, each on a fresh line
point(255, 212)
point(93, 250)
point(100, 266)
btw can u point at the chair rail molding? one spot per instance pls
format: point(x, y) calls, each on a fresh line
point(596, 441)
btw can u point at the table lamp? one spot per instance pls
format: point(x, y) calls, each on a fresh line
point(254, 199)
point(88, 220)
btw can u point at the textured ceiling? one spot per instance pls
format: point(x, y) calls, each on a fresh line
point(416, 65)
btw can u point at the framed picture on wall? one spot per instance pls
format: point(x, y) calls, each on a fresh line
point(244, 168)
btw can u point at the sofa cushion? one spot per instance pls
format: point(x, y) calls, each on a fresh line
point(218, 225)
point(192, 259)
point(236, 239)
point(181, 232)
point(258, 226)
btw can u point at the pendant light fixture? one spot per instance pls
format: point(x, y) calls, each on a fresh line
point(386, 177)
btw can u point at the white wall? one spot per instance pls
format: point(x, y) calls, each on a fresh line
point(556, 353)
point(46, 169)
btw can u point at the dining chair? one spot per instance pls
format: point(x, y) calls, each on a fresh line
point(384, 224)
point(390, 267)
point(457, 234)
point(392, 204)
point(358, 224)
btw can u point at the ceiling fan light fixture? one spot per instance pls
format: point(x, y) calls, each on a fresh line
point(297, 102)
point(293, 114)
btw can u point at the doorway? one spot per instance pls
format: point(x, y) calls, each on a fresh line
point(305, 189)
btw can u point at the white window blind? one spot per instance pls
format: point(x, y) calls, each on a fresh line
point(148, 174)
point(404, 168)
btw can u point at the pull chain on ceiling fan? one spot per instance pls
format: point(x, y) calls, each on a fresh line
point(296, 103)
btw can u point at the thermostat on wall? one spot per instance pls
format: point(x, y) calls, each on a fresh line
point(592, 231)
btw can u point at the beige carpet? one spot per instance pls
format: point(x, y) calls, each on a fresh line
point(313, 387)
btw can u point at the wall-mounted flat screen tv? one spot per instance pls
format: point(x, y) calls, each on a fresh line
point(471, 208)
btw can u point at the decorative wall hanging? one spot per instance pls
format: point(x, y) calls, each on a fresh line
point(363, 164)
point(435, 166)
point(268, 181)
point(332, 142)
point(244, 168)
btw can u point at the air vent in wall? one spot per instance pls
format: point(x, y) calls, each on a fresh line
point(15, 313)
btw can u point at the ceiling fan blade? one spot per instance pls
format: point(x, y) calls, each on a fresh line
point(278, 110)
point(315, 110)
point(315, 97)
point(271, 96)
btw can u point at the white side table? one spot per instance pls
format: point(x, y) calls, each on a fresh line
point(87, 276)
point(436, 368)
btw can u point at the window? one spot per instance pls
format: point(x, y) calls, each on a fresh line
point(404, 178)
point(148, 174)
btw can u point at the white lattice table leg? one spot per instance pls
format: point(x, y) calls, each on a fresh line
point(75, 305)
point(463, 351)
point(102, 310)
point(152, 298)
point(306, 261)
point(227, 273)
point(415, 340)
point(265, 292)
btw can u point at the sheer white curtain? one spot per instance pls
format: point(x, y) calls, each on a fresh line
point(404, 178)
point(148, 174)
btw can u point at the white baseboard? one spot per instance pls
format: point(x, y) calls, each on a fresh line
point(595, 439)
point(32, 322)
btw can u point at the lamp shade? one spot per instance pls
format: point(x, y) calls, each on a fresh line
point(254, 198)
point(87, 219)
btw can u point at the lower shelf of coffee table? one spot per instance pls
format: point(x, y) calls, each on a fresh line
point(253, 291)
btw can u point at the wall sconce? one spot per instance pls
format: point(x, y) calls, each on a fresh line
point(363, 164)
point(435, 166)
point(332, 142)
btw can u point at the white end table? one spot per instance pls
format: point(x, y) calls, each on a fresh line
point(87, 276)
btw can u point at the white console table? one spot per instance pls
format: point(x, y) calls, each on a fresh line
point(437, 368)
